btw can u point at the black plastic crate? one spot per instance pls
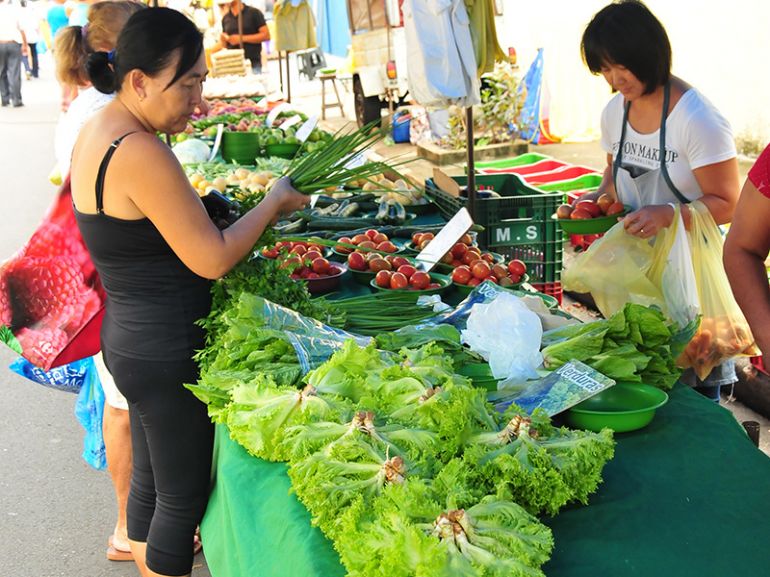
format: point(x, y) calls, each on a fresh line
point(516, 225)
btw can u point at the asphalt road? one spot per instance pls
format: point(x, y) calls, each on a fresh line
point(56, 513)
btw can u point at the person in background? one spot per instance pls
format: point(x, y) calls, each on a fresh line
point(746, 249)
point(156, 251)
point(57, 17)
point(78, 13)
point(73, 46)
point(30, 23)
point(665, 142)
point(255, 31)
point(13, 47)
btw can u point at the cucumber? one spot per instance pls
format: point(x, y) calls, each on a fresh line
point(291, 227)
point(349, 210)
point(340, 223)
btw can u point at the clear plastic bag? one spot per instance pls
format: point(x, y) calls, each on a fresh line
point(507, 334)
point(724, 332)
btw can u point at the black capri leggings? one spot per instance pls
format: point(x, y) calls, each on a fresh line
point(172, 439)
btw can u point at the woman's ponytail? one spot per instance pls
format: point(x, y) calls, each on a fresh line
point(101, 70)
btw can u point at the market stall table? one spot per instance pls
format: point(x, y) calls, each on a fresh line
point(688, 495)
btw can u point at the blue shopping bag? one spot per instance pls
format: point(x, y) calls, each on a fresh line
point(89, 410)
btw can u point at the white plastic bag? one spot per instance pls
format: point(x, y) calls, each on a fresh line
point(508, 335)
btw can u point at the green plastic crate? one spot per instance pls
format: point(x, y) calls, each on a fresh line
point(521, 160)
point(516, 225)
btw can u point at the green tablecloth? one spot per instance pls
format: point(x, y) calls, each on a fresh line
point(688, 495)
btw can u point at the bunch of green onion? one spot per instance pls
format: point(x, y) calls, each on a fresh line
point(372, 314)
point(328, 167)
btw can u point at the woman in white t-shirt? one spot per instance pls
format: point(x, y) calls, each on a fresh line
point(653, 112)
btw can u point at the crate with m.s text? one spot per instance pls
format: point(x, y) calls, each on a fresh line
point(517, 223)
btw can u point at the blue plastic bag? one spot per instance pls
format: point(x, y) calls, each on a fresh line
point(68, 378)
point(89, 410)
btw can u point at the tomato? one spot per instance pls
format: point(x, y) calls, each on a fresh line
point(416, 238)
point(311, 255)
point(489, 257)
point(305, 272)
point(371, 233)
point(386, 246)
point(458, 250)
point(315, 247)
point(382, 279)
point(434, 285)
point(455, 263)
point(370, 256)
point(499, 271)
point(424, 242)
point(470, 257)
point(517, 267)
point(270, 252)
point(380, 238)
point(515, 279)
point(367, 244)
point(474, 281)
point(447, 258)
point(580, 214)
point(427, 236)
point(312, 275)
point(294, 276)
point(505, 281)
point(407, 270)
point(615, 208)
point(420, 280)
point(359, 238)
point(342, 249)
point(291, 263)
point(298, 249)
point(398, 261)
point(590, 207)
point(491, 278)
point(461, 275)
point(356, 261)
point(481, 269)
point(466, 239)
point(398, 281)
point(283, 244)
point(378, 264)
point(320, 265)
point(345, 240)
point(334, 270)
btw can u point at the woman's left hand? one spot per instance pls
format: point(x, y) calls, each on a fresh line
point(648, 221)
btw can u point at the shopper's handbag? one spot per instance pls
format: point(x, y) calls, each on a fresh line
point(51, 300)
point(724, 332)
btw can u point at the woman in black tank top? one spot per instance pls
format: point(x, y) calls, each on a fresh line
point(157, 251)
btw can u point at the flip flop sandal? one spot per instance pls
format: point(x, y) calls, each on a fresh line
point(114, 554)
point(197, 545)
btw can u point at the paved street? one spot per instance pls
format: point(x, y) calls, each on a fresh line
point(55, 512)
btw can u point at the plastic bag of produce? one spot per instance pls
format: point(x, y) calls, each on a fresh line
point(51, 300)
point(724, 332)
point(507, 334)
point(68, 378)
point(620, 268)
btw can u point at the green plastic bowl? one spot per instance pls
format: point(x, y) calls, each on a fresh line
point(465, 289)
point(589, 225)
point(363, 277)
point(283, 150)
point(622, 408)
point(241, 147)
point(443, 280)
point(480, 375)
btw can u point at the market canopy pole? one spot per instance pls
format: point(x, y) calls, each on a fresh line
point(471, 187)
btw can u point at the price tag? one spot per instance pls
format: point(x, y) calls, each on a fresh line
point(445, 240)
point(305, 130)
point(289, 122)
point(217, 141)
point(273, 114)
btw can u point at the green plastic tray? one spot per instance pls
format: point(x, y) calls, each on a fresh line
point(444, 280)
point(589, 225)
point(622, 408)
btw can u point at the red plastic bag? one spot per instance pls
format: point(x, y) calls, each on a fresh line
point(51, 299)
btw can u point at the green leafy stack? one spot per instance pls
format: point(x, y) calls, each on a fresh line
point(635, 344)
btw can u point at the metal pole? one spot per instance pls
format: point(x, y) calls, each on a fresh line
point(288, 78)
point(471, 190)
point(280, 69)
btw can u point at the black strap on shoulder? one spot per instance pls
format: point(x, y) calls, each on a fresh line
point(662, 151)
point(663, 168)
point(103, 171)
